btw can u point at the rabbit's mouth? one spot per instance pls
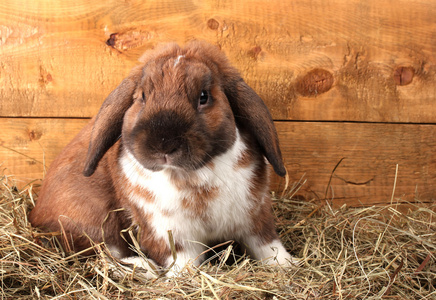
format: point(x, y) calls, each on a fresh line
point(179, 161)
point(182, 153)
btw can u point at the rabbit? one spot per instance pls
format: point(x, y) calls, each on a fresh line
point(180, 146)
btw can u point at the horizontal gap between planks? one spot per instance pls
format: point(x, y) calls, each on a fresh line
point(352, 122)
point(46, 118)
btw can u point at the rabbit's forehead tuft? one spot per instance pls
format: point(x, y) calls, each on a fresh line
point(182, 73)
point(177, 60)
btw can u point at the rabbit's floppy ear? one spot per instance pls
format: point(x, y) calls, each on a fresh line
point(109, 120)
point(252, 114)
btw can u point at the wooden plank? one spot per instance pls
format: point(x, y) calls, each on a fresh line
point(366, 175)
point(370, 153)
point(310, 60)
point(28, 146)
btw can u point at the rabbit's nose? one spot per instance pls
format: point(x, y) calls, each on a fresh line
point(170, 146)
point(167, 153)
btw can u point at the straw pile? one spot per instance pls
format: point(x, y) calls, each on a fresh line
point(362, 253)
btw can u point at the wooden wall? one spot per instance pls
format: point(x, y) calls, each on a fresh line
point(343, 79)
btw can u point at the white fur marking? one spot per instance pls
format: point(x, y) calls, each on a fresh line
point(184, 258)
point(271, 253)
point(115, 251)
point(147, 264)
point(227, 216)
point(176, 62)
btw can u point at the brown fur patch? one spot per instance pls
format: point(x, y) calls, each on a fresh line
point(221, 110)
point(245, 160)
point(261, 213)
point(153, 247)
point(198, 200)
point(263, 221)
point(182, 180)
point(187, 180)
point(138, 192)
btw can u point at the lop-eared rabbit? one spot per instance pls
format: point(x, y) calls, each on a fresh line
point(180, 146)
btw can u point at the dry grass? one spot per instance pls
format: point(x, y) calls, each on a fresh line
point(364, 253)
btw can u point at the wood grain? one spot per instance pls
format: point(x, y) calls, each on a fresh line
point(334, 74)
point(366, 175)
point(370, 153)
point(62, 58)
point(28, 146)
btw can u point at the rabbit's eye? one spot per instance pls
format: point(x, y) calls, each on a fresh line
point(143, 97)
point(204, 97)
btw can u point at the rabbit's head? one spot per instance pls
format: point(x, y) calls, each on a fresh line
point(179, 109)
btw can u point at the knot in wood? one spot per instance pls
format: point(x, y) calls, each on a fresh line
point(254, 52)
point(315, 82)
point(34, 135)
point(403, 75)
point(213, 24)
point(112, 39)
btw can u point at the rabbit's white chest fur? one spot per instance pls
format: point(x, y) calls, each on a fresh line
point(215, 204)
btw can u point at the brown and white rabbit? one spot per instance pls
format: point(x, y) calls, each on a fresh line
point(178, 146)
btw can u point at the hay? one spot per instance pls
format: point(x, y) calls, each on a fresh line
point(362, 253)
